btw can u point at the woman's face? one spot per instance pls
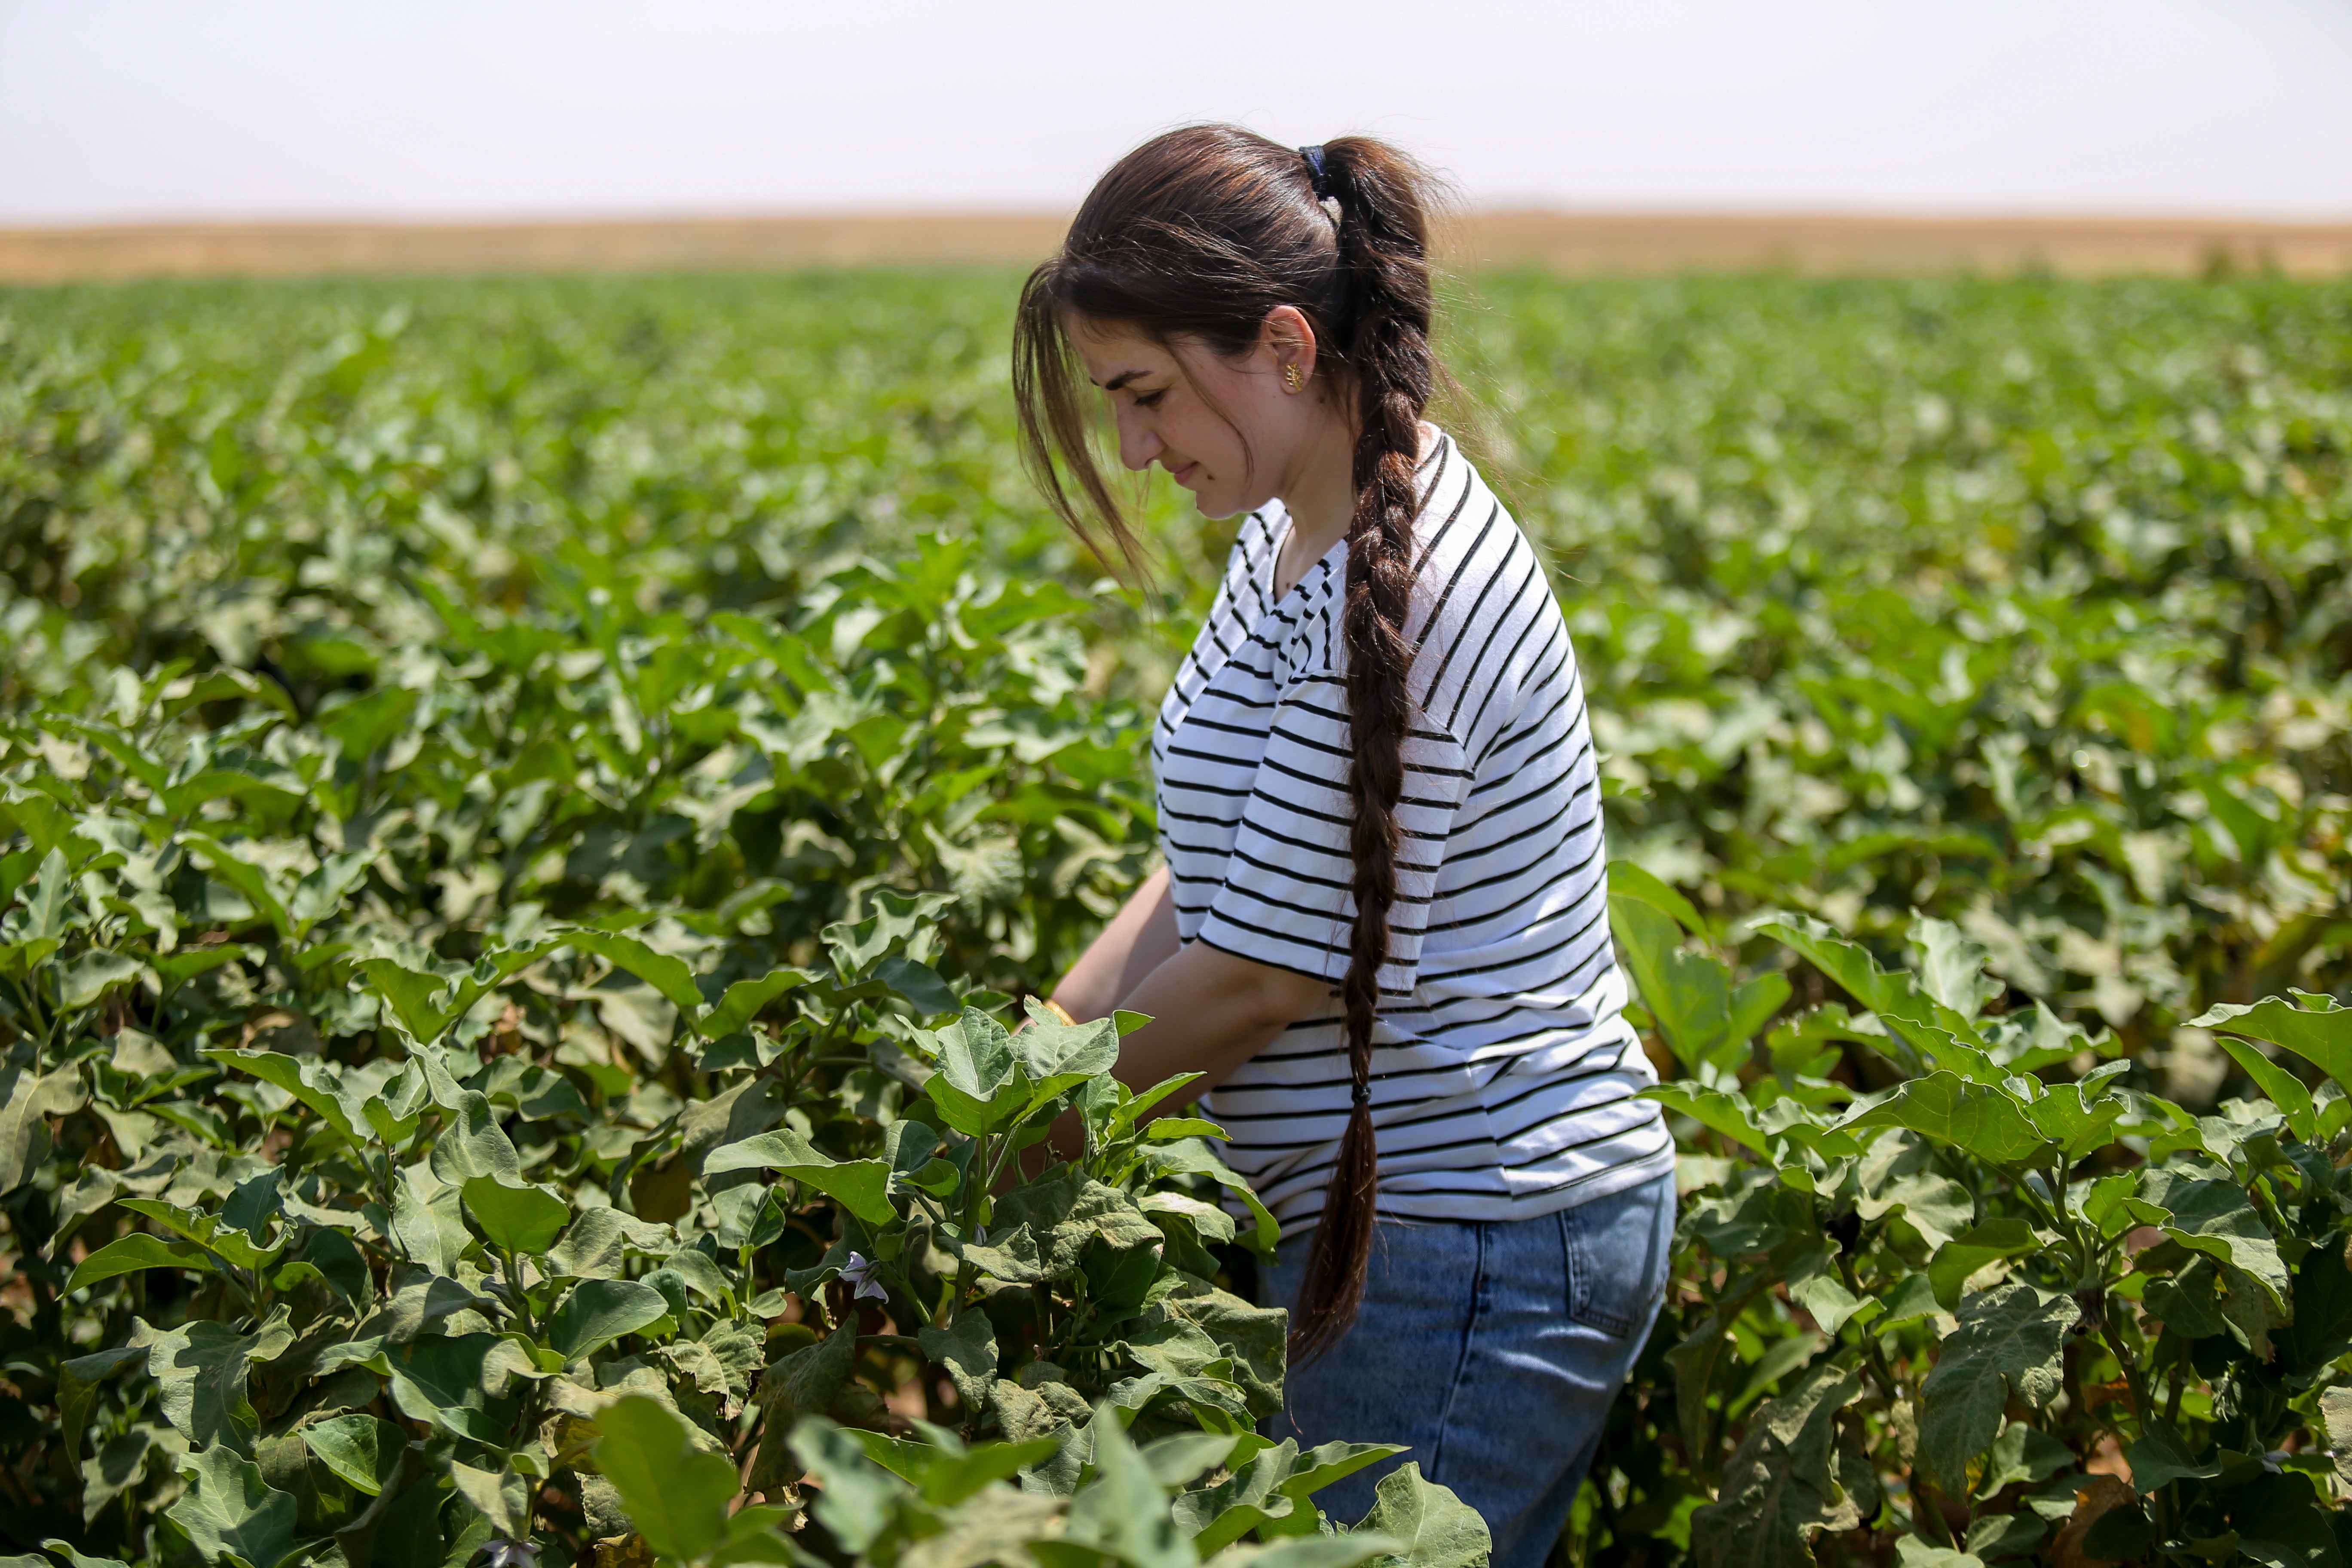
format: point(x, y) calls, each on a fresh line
point(1188, 408)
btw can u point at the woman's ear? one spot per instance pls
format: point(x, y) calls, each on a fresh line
point(1288, 340)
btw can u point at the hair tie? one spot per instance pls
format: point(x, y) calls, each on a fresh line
point(1363, 1095)
point(1315, 173)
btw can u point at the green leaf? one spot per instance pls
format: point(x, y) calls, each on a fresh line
point(1123, 1512)
point(2024, 1455)
point(414, 998)
point(1708, 1024)
point(858, 1498)
point(1629, 880)
point(136, 1251)
point(1907, 1010)
point(200, 1369)
point(2313, 1026)
point(898, 921)
point(1952, 967)
point(742, 1001)
point(363, 1450)
point(2214, 1217)
point(231, 1514)
point(234, 1245)
point(316, 1084)
point(516, 1219)
point(861, 1186)
point(502, 1497)
point(598, 1312)
point(1779, 1488)
point(1986, 1121)
point(458, 1382)
point(473, 1144)
point(664, 973)
point(2009, 1344)
point(2159, 1458)
point(2282, 1088)
point(92, 975)
point(1729, 1114)
point(676, 1493)
point(1428, 1526)
point(77, 1384)
point(1962, 1255)
point(28, 1100)
point(918, 984)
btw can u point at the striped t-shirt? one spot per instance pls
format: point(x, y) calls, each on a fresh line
point(1503, 1073)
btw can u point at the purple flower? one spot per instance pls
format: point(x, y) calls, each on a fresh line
point(860, 1273)
point(513, 1554)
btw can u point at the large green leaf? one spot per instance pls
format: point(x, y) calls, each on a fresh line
point(363, 1450)
point(136, 1251)
point(677, 1492)
point(862, 1186)
point(207, 1231)
point(2010, 1345)
point(2316, 1028)
point(1986, 1121)
point(1123, 1512)
point(28, 1100)
point(458, 1382)
point(516, 1219)
point(1778, 1489)
point(2214, 1217)
point(742, 1001)
point(201, 1370)
point(231, 1515)
point(1902, 1003)
point(1707, 1023)
point(1430, 1527)
point(858, 1498)
point(664, 973)
point(598, 1312)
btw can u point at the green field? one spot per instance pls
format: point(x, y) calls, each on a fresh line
point(545, 710)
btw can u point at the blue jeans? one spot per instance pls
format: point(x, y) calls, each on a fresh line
point(1492, 1350)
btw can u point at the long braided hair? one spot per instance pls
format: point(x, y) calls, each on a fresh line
point(1198, 235)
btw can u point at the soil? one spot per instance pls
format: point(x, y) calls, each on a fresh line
point(1565, 242)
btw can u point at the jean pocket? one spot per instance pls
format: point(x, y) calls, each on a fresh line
point(1618, 1250)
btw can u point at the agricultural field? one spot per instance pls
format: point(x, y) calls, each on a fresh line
point(528, 808)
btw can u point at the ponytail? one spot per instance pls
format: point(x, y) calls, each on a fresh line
point(1201, 233)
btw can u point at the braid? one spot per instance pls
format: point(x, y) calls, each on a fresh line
point(1383, 248)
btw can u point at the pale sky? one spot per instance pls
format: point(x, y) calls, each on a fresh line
point(154, 109)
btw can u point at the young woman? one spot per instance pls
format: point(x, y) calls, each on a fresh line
point(1381, 932)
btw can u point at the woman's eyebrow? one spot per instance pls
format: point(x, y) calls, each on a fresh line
point(1121, 379)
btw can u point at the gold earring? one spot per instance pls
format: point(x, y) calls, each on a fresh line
point(1292, 378)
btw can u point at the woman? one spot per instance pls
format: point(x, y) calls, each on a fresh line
point(1381, 932)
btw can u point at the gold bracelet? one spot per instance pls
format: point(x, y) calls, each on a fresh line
point(1057, 1009)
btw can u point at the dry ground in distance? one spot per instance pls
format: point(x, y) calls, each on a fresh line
point(1568, 242)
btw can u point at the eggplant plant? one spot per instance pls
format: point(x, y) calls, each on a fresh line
point(1952, 1285)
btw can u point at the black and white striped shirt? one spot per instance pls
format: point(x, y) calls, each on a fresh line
point(1503, 1073)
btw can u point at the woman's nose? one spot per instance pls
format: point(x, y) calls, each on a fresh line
point(1138, 442)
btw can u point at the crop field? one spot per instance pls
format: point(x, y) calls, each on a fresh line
point(528, 809)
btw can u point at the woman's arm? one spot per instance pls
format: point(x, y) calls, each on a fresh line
point(1139, 940)
point(1210, 1010)
point(1209, 1013)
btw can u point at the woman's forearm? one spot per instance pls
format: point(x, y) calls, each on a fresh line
point(1209, 1013)
point(1139, 940)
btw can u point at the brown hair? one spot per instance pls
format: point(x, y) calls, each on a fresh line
point(1198, 235)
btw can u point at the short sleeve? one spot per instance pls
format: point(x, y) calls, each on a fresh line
point(1286, 899)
